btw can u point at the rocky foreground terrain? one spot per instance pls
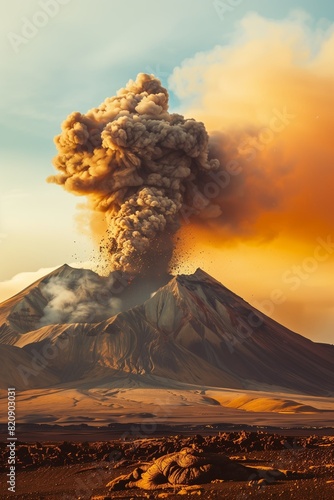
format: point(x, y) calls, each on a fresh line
point(71, 470)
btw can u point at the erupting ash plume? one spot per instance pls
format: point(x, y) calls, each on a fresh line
point(139, 165)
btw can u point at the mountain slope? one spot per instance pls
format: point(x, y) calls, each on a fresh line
point(221, 328)
point(192, 330)
point(18, 369)
point(23, 312)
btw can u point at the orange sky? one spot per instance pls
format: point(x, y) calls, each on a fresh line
point(268, 101)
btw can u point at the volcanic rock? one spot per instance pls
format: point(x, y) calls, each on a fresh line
point(187, 467)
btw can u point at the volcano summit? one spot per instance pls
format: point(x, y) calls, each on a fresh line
point(108, 347)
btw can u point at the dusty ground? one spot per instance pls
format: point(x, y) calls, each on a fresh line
point(69, 471)
point(100, 406)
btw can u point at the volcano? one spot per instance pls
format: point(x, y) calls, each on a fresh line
point(186, 332)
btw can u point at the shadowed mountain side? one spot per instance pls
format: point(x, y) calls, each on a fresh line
point(12, 370)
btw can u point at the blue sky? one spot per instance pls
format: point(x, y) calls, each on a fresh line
point(84, 52)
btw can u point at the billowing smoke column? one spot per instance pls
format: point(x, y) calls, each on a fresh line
point(138, 164)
